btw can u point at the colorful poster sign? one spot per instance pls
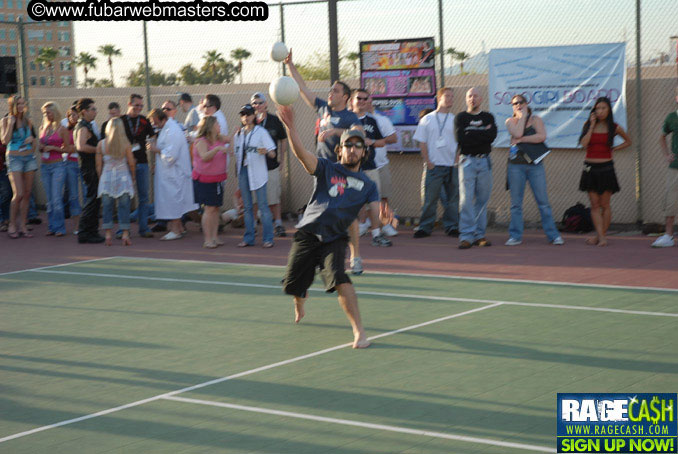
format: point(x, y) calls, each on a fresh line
point(402, 82)
point(560, 84)
point(397, 54)
point(400, 75)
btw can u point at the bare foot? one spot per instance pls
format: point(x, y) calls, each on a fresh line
point(109, 240)
point(592, 241)
point(602, 243)
point(361, 341)
point(298, 311)
point(126, 241)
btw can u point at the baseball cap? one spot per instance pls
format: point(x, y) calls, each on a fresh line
point(349, 133)
point(247, 109)
point(258, 95)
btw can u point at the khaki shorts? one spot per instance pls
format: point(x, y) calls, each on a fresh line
point(374, 176)
point(273, 187)
point(385, 182)
point(671, 194)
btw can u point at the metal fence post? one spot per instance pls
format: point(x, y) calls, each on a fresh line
point(282, 34)
point(21, 67)
point(334, 40)
point(148, 80)
point(639, 120)
point(441, 47)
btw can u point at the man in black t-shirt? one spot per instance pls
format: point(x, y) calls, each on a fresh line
point(475, 131)
point(138, 130)
point(341, 189)
point(275, 128)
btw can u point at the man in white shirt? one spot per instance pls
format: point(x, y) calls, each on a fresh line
point(212, 105)
point(381, 160)
point(435, 135)
point(192, 115)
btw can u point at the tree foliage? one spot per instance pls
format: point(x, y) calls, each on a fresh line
point(137, 77)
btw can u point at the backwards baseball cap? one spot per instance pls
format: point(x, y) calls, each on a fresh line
point(349, 133)
point(258, 95)
point(247, 109)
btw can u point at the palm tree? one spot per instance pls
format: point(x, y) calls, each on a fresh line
point(239, 55)
point(353, 57)
point(212, 60)
point(46, 56)
point(452, 52)
point(87, 61)
point(109, 50)
point(462, 57)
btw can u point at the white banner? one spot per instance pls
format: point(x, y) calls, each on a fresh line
point(561, 84)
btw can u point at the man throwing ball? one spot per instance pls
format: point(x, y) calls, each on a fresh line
point(341, 189)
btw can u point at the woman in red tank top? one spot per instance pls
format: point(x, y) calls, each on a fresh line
point(598, 177)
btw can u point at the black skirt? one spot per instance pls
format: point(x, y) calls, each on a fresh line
point(599, 177)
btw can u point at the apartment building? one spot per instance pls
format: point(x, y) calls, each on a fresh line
point(58, 35)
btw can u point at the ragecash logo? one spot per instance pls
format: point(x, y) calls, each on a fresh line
point(638, 423)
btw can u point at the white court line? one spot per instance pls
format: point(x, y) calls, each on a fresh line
point(391, 295)
point(231, 377)
point(56, 266)
point(366, 425)
point(438, 276)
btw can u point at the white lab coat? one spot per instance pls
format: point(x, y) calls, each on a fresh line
point(173, 185)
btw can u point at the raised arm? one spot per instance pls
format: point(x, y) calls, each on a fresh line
point(307, 159)
point(306, 94)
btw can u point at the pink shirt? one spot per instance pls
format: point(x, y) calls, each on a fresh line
point(213, 171)
point(53, 140)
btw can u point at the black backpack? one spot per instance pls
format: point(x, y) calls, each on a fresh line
point(577, 219)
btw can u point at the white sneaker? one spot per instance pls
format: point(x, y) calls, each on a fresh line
point(664, 241)
point(513, 242)
point(356, 266)
point(364, 227)
point(388, 230)
point(171, 236)
point(559, 241)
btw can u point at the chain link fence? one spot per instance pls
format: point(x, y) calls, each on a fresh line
point(106, 61)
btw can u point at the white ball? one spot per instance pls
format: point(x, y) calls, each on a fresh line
point(284, 90)
point(279, 51)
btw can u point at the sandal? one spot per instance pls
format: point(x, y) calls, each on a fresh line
point(13, 235)
point(268, 244)
point(126, 241)
point(209, 244)
point(244, 244)
point(26, 234)
point(59, 234)
point(49, 233)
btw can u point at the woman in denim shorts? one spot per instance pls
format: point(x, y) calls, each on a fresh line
point(16, 133)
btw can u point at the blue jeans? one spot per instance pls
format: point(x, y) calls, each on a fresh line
point(108, 206)
point(142, 193)
point(262, 202)
point(435, 180)
point(475, 187)
point(73, 181)
point(53, 178)
point(5, 196)
point(32, 208)
point(518, 174)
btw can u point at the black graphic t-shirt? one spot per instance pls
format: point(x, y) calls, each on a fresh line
point(275, 128)
point(138, 130)
point(337, 198)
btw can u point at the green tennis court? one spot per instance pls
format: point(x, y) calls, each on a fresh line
point(127, 355)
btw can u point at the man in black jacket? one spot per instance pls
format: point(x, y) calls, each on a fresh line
point(475, 131)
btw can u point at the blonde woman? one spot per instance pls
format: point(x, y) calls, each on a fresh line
point(210, 162)
point(54, 139)
point(15, 132)
point(115, 167)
